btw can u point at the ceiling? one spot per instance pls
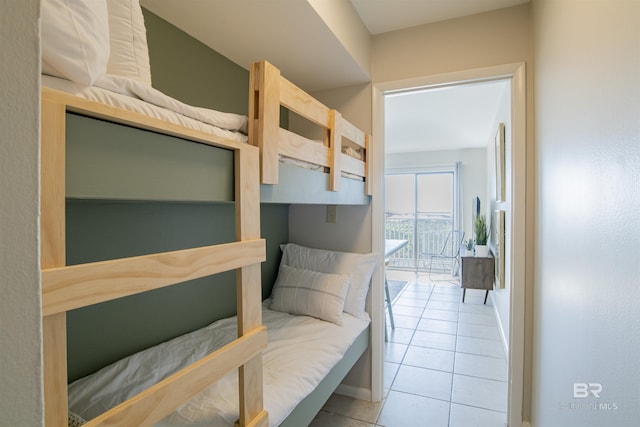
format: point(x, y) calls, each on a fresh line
point(324, 44)
point(445, 118)
point(381, 16)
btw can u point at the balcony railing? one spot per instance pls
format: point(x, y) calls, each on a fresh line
point(426, 234)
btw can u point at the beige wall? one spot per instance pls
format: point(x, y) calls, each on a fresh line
point(587, 269)
point(20, 320)
point(499, 37)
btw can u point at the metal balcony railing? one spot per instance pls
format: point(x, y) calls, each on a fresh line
point(426, 234)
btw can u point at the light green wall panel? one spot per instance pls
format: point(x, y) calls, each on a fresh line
point(107, 160)
point(188, 70)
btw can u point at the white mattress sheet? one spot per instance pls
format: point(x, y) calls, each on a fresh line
point(301, 352)
point(131, 95)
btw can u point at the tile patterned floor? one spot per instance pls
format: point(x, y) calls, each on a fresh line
point(444, 364)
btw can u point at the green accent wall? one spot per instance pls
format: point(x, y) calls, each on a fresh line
point(113, 161)
point(99, 230)
point(188, 70)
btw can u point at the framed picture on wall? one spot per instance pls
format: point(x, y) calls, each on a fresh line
point(500, 169)
point(498, 247)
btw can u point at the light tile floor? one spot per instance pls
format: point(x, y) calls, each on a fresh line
point(444, 363)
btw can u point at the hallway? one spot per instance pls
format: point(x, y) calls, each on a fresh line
point(444, 363)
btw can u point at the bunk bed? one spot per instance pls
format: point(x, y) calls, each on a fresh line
point(160, 139)
point(69, 287)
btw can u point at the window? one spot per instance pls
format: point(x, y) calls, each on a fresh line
point(419, 208)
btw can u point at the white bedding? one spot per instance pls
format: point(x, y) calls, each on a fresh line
point(300, 353)
point(131, 95)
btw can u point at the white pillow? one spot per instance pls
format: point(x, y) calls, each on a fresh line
point(75, 39)
point(128, 39)
point(310, 293)
point(359, 268)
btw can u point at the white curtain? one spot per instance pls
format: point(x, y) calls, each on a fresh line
point(457, 209)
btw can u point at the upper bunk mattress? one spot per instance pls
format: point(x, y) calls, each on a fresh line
point(132, 95)
point(300, 353)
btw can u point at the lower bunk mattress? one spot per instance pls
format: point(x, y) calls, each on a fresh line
point(300, 353)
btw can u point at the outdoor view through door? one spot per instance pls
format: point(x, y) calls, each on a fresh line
point(420, 208)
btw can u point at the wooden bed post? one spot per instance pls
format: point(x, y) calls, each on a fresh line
point(249, 285)
point(264, 117)
point(335, 150)
point(52, 254)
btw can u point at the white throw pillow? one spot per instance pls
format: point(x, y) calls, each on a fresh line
point(359, 268)
point(75, 39)
point(310, 293)
point(128, 39)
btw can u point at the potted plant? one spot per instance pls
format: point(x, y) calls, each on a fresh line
point(467, 247)
point(482, 235)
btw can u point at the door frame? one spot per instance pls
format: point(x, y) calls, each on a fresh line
point(516, 73)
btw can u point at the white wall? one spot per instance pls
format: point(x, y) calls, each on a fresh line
point(501, 296)
point(587, 287)
point(20, 321)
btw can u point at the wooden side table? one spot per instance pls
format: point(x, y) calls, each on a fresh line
point(477, 273)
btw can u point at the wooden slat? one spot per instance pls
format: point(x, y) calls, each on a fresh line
point(247, 193)
point(251, 390)
point(297, 100)
point(353, 165)
point(249, 295)
point(153, 404)
point(264, 117)
point(352, 133)
point(117, 115)
point(249, 284)
point(67, 288)
point(249, 287)
point(52, 203)
point(54, 349)
point(52, 254)
point(335, 150)
point(299, 147)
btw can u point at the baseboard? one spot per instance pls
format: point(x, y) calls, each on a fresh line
point(526, 424)
point(503, 337)
point(354, 392)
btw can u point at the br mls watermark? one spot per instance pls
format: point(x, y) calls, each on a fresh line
point(585, 395)
point(584, 390)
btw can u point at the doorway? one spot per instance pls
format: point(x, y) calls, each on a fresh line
point(515, 73)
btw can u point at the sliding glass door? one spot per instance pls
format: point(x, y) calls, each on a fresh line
point(420, 208)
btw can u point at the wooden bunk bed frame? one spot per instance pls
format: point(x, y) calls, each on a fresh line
point(268, 90)
point(66, 288)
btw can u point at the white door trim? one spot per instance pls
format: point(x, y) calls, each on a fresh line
point(517, 74)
